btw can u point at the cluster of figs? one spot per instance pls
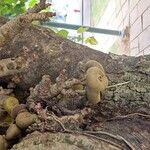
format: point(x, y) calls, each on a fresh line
point(18, 115)
point(10, 109)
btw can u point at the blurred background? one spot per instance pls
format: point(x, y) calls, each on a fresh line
point(129, 16)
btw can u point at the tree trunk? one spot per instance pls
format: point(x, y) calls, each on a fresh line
point(50, 54)
point(55, 54)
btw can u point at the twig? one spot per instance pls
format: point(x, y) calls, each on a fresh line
point(119, 84)
point(58, 121)
point(129, 115)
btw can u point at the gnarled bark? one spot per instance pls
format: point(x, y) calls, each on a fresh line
point(53, 54)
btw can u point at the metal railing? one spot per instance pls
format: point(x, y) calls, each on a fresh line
point(90, 29)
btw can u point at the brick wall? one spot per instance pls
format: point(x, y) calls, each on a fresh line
point(140, 27)
point(134, 14)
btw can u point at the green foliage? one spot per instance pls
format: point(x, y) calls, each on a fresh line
point(79, 38)
point(15, 7)
point(82, 29)
point(12, 7)
point(63, 33)
point(32, 3)
point(91, 40)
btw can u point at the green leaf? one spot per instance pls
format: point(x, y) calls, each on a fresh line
point(82, 30)
point(63, 33)
point(32, 3)
point(12, 7)
point(91, 40)
point(18, 9)
point(5, 10)
point(23, 1)
point(10, 1)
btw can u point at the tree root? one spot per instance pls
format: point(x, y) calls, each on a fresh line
point(109, 138)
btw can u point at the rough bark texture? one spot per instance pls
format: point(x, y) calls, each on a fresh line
point(116, 134)
point(53, 54)
point(51, 141)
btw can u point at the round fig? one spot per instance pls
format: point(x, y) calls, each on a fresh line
point(9, 103)
point(93, 63)
point(25, 119)
point(12, 132)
